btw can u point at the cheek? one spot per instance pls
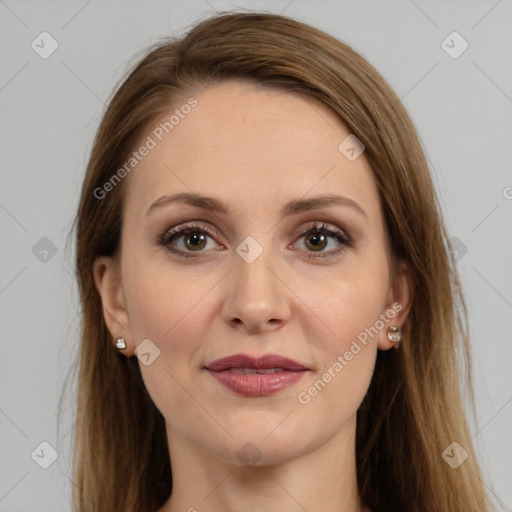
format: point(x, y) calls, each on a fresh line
point(162, 299)
point(351, 340)
point(171, 311)
point(355, 309)
point(347, 347)
point(333, 394)
point(350, 304)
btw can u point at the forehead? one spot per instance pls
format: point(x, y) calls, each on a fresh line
point(239, 141)
point(234, 120)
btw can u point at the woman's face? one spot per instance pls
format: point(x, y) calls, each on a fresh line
point(290, 287)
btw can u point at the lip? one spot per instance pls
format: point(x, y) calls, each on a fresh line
point(241, 373)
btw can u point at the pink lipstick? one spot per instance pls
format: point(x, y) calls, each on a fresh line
point(256, 376)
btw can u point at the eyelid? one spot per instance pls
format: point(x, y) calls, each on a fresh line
point(321, 225)
point(197, 225)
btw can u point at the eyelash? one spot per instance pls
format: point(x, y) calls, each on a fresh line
point(195, 227)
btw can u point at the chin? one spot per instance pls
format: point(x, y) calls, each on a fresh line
point(263, 438)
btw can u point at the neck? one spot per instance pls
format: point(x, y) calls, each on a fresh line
point(323, 478)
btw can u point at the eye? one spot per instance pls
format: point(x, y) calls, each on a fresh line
point(318, 237)
point(188, 238)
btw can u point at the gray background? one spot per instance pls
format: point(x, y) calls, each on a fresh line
point(50, 108)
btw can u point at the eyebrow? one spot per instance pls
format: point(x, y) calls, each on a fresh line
point(294, 207)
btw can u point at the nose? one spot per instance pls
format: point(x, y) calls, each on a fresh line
point(257, 299)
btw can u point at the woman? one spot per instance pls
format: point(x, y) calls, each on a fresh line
point(257, 229)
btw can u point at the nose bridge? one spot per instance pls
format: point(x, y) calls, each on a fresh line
point(256, 298)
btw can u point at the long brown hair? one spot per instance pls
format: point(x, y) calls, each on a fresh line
point(413, 409)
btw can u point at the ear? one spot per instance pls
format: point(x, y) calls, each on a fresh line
point(398, 302)
point(107, 277)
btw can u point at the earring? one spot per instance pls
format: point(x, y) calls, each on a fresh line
point(120, 343)
point(394, 335)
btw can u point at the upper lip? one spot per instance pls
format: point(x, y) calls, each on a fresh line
point(259, 363)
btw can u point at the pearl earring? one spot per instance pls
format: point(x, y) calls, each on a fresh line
point(120, 343)
point(394, 335)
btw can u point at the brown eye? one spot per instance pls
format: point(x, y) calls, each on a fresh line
point(316, 242)
point(323, 241)
point(188, 239)
point(195, 241)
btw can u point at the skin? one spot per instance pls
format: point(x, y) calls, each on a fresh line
point(255, 150)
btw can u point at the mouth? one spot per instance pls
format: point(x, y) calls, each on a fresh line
point(256, 377)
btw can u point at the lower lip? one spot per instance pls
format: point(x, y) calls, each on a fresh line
point(257, 384)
